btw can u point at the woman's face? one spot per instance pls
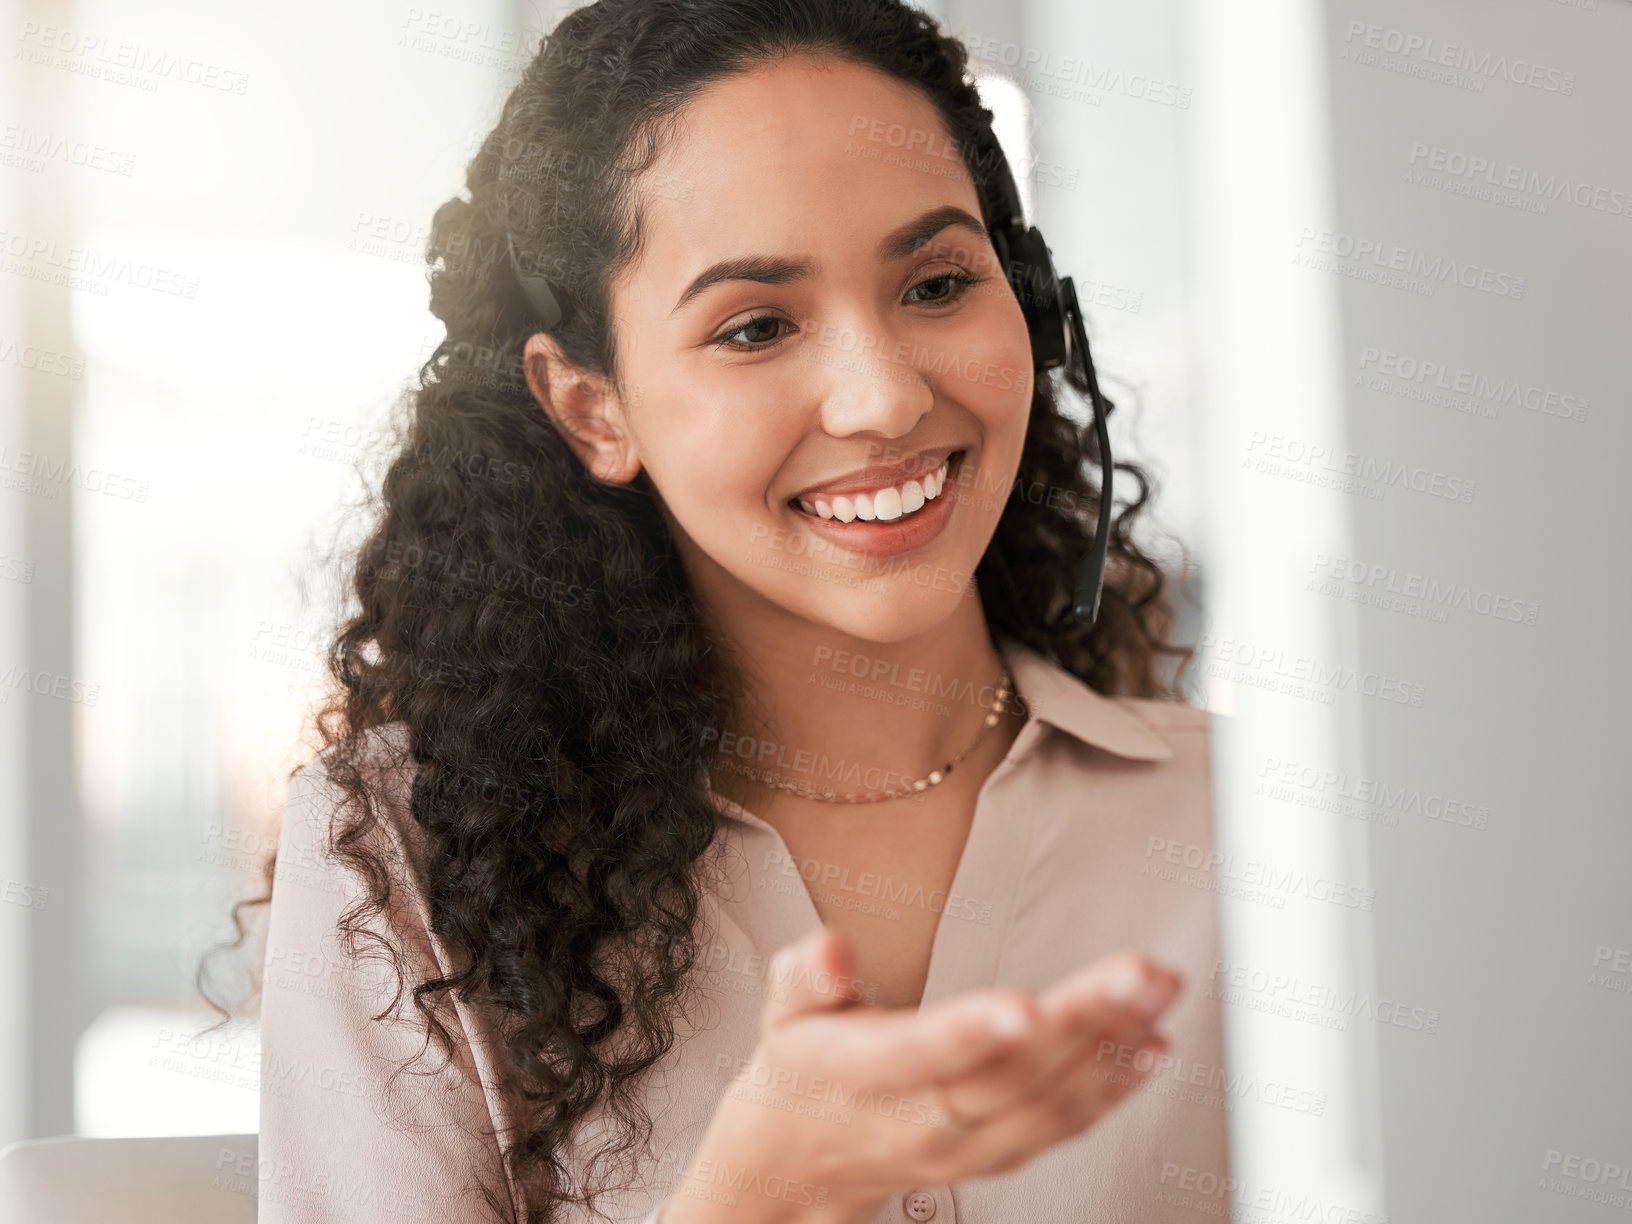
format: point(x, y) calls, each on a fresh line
point(815, 322)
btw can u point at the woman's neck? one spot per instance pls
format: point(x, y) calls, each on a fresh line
point(828, 709)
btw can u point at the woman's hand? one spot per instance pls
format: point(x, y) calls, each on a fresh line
point(859, 1103)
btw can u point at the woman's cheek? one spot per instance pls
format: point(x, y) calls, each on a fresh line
point(984, 346)
point(724, 478)
point(994, 384)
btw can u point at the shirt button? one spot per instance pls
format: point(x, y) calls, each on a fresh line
point(919, 1205)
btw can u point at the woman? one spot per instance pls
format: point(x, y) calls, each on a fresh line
point(718, 819)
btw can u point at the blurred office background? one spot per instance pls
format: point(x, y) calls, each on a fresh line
point(1359, 276)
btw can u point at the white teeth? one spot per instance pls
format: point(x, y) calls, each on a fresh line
point(936, 481)
point(883, 505)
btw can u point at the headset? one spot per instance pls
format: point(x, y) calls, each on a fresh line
point(1053, 321)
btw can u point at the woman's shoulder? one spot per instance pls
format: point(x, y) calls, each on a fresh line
point(322, 803)
point(382, 753)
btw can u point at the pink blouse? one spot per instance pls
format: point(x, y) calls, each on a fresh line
point(1093, 834)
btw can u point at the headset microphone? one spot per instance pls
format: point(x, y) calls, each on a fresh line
point(1054, 321)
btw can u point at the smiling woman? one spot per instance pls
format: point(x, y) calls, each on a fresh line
point(776, 391)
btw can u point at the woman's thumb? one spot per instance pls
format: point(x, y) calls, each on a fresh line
point(809, 975)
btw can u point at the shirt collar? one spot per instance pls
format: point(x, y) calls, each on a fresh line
point(1055, 696)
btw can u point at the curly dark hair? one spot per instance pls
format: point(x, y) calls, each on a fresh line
point(533, 628)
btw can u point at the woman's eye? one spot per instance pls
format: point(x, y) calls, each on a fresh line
point(764, 331)
point(755, 328)
point(953, 285)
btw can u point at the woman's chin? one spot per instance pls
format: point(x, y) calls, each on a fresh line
point(892, 610)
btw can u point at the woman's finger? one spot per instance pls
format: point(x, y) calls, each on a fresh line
point(1124, 978)
point(1116, 998)
point(902, 1048)
point(1091, 1089)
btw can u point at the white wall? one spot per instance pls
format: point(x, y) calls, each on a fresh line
point(284, 163)
point(1414, 395)
point(1498, 928)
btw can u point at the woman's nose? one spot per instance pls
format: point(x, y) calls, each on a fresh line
point(870, 382)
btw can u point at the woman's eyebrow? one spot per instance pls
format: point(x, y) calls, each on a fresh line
point(774, 270)
point(899, 243)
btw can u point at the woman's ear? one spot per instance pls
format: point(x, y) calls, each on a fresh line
point(585, 408)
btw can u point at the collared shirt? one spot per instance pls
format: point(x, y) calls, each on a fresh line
point(1092, 835)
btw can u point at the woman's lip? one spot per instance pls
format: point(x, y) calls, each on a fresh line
point(879, 476)
point(880, 539)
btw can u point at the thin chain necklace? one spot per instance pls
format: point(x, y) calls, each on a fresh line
point(826, 794)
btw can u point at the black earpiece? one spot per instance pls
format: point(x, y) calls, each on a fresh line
point(1054, 321)
point(549, 303)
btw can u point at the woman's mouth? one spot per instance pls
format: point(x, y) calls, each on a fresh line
point(888, 520)
point(888, 504)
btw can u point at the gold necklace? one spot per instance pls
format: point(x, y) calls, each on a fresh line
point(826, 794)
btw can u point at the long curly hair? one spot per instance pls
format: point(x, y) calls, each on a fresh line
point(532, 629)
